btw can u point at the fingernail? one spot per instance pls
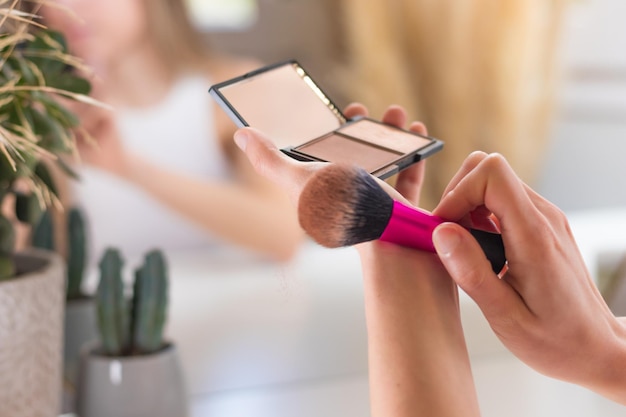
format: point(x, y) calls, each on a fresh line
point(446, 240)
point(241, 139)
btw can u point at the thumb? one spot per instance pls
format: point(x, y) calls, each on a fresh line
point(259, 149)
point(271, 163)
point(468, 266)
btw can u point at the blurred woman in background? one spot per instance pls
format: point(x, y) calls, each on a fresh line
point(163, 171)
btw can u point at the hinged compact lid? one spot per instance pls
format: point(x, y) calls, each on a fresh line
point(282, 101)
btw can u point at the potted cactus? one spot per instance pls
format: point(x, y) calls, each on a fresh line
point(36, 130)
point(132, 370)
point(80, 318)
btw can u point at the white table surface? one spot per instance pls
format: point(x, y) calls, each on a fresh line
point(505, 388)
point(260, 339)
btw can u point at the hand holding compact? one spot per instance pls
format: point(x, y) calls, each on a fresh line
point(546, 309)
point(292, 175)
point(415, 339)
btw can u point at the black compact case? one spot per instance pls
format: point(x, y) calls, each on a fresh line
point(284, 102)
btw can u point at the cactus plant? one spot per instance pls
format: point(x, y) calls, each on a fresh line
point(112, 306)
point(43, 237)
point(77, 253)
point(43, 232)
point(149, 303)
point(135, 327)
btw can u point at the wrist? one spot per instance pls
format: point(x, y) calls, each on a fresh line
point(610, 380)
point(415, 338)
point(395, 272)
point(130, 167)
point(604, 371)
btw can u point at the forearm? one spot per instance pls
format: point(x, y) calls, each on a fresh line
point(611, 375)
point(417, 354)
point(263, 221)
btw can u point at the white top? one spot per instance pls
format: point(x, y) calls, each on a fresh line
point(178, 134)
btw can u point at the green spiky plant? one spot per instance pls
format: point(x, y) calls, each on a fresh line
point(132, 326)
point(77, 254)
point(36, 129)
point(43, 237)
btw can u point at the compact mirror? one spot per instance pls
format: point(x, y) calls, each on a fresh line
point(284, 102)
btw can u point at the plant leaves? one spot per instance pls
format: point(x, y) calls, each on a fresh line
point(28, 77)
point(60, 113)
point(45, 64)
point(7, 174)
point(42, 172)
point(69, 171)
point(40, 123)
point(69, 82)
point(53, 39)
point(7, 235)
point(51, 131)
point(34, 124)
point(43, 232)
point(27, 208)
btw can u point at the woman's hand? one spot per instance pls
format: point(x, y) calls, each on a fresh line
point(417, 354)
point(291, 175)
point(546, 308)
point(98, 140)
point(99, 143)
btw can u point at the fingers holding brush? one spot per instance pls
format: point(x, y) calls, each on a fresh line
point(492, 184)
point(546, 309)
point(481, 217)
point(468, 166)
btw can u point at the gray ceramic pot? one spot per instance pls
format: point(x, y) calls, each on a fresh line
point(80, 329)
point(31, 336)
point(136, 386)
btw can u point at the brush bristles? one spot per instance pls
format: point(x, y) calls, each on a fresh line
point(342, 205)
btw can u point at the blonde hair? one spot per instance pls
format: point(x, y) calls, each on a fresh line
point(181, 45)
point(479, 73)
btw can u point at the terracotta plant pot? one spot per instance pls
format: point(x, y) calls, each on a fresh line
point(31, 336)
point(133, 386)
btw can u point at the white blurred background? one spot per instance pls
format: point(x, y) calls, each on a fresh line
point(585, 166)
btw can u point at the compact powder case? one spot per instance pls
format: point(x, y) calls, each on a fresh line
point(284, 102)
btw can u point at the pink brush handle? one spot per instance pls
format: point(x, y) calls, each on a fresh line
point(410, 227)
point(414, 228)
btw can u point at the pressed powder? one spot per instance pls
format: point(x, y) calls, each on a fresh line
point(384, 135)
point(343, 149)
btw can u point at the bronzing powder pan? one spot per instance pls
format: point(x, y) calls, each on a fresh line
point(284, 102)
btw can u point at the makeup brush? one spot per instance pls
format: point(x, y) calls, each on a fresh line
point(342, 205)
